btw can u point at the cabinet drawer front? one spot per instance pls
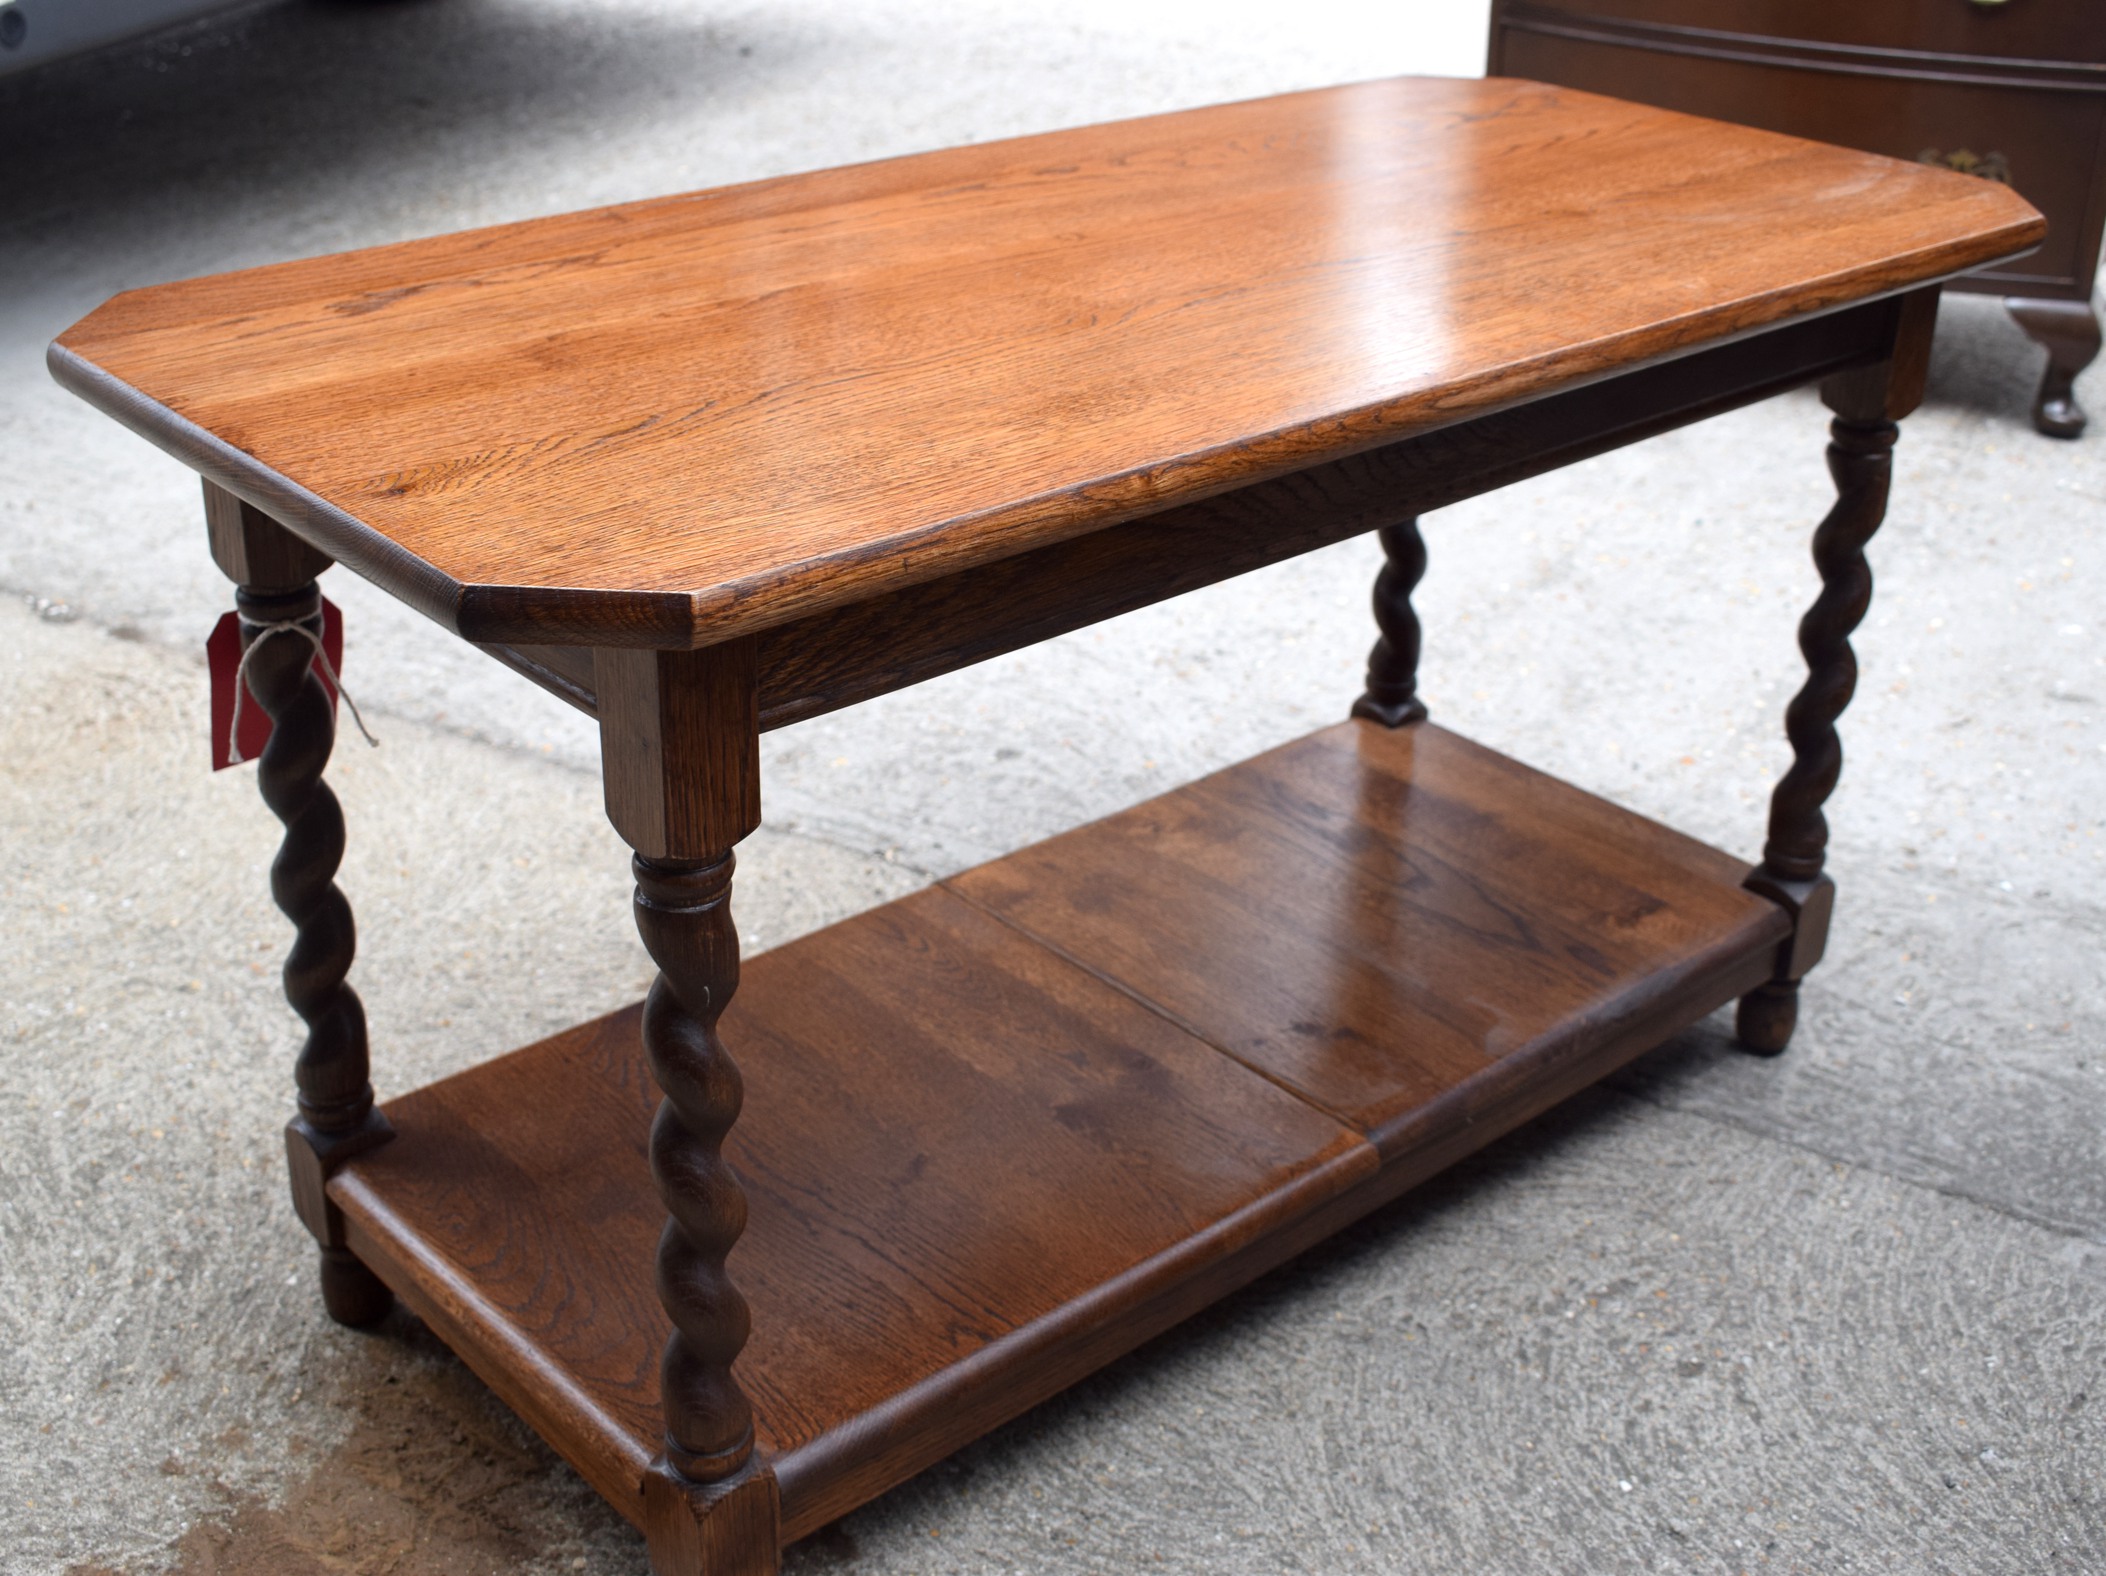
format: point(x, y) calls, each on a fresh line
point(2064, 30)
point(2048, 142)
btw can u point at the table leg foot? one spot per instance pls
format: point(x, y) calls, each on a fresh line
point(1770, 1012)
point(352, 1294)
point(729, 1528)
point(1767, 1016)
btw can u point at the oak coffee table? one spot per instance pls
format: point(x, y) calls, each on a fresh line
point(718, 463)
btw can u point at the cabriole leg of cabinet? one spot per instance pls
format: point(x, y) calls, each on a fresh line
point(2069, 332)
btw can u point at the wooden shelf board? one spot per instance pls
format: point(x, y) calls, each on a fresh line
point(957, 1149)
point(1397, 923)
point(981, 1165)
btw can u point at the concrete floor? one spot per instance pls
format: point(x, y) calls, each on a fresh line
point(1841, 1312)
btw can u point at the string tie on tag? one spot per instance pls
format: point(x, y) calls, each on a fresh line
point(241, 681)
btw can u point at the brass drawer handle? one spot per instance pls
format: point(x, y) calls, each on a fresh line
point(1989, 5)
point(1989, 166)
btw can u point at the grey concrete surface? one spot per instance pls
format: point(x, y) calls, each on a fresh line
point(1838, 1312)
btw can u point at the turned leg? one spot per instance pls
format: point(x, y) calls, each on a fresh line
point(708, 1511)
point(2069, 332)
point(275, 592)
point(1392, 696)
point(680, 738)
point(1867, 405)
point(1860, 456)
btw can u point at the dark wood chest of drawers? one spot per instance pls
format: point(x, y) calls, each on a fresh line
point(2012, 90)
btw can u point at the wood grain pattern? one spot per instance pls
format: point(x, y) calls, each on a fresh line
point(1396, 923)
point(255, 551)
point(671, 423)
point(679, 747)
point(977, 1171)
point(850, 654)
point(954, 1148)
point(731, 1528)
point(1891, 92)
point(2015, 91)
point(566, 672)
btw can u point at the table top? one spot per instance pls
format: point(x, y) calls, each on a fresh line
point(674, 422)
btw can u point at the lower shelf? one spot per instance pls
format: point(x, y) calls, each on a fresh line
point(1006, 1129)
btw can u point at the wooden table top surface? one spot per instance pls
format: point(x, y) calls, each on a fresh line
point(717, 412)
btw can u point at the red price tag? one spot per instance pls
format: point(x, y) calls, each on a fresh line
point(223, 656)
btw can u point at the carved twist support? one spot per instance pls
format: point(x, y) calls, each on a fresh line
point(683, 912)
point(1860, 458)
point(337, 1118)
point(1392, 695)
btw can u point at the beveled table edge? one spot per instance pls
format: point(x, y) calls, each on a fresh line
point(672, 621)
